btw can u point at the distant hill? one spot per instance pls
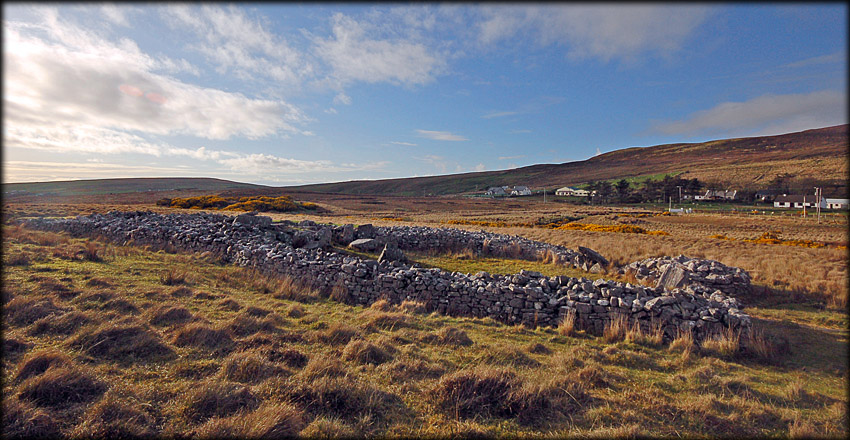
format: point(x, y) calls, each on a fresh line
point(122, 186)
point(818, 155)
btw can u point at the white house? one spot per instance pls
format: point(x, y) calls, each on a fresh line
point(497, 191)
point(797, 201)
point(837, 203)
point(568, 191)
point(521, 191)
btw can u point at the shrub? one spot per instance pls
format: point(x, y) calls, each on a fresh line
point(61, 386)
point(270, 420)
point(203, 336)
point(364, 352)
point(41, 361)
point(122, 343)
point(217, 399)
point(115, 417)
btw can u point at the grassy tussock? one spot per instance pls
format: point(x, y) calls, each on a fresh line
point(61, 386)
point(216, 399)
point(203, 336)
point(249, 367)
point(322, 366)
point(243, 325)
point(327, 428)
point(122, 343)
point(39, 362)
point(364, 352)
point(22, 420)
point(726, 344)
point(64, 325)
point(337, 334)
point(275, 420)
point(453, 336)
point(22, 310)
point(115, 417)
point(166, 315)
point(616, 328)
point(567, 325)
point(387, 320)
point(341, 397)
point(507, 355)
point(288, 356)
point(412, 370)
point(173, 277)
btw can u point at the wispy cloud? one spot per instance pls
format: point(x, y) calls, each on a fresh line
point(355, 52)
point(441, 135)
point(519, 131)
point(767, 114)
point(596, 31)
point(837, 57)
point(499, 114)
point(406, 144)
point(511, 157)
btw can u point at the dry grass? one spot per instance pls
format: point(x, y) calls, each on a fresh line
point(122, 343)
point(616, 328)
point(277, 420)
point(567, 325)
point(726, 344)
point(203, 336)
point(216, 399)
point(61, 386)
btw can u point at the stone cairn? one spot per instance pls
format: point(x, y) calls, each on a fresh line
point(689, 294)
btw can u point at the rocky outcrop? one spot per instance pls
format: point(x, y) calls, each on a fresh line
point(304, 251)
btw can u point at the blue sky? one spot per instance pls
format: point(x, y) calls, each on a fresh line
point(283, 94)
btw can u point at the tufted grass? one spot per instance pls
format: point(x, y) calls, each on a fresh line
point(193, 364)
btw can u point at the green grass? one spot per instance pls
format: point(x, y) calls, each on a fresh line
point(365, 377)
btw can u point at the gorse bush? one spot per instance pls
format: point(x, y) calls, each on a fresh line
point(255, 203)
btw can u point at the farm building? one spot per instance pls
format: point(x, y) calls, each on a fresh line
point(837, 203)
point(569, 191)
point(767, 195)
point(502, 191)
point(718, 195)
point(496, 191)
point(520, 191)
point(797, 201)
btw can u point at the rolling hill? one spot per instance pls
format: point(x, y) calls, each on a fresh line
point(818, 155)
point(121, 186)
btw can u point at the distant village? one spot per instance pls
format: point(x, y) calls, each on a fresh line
point(780, 199)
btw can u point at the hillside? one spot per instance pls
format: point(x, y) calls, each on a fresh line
point(818, 155)
point(121, 186)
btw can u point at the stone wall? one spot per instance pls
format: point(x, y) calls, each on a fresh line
point(304, 251)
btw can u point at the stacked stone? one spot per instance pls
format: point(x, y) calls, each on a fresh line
point(304, 253)
point(704, 276)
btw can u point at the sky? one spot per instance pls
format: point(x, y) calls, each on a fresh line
point(290, 94)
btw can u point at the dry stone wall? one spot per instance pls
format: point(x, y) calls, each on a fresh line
point(304, 251)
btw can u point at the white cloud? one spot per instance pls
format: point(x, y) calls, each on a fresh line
point(441, 135)
point(115, 14)
point(499, 114)
point(406, 144)
point(355, 55)
point(596, 31)
point(331, 111)
point(77, 79)
point(342, 98)
point(480, 167)
point(239, 44)
point(837, 57)
point(511, 157)
point(767, 114)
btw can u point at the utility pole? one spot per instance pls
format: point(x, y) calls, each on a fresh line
point(818, 195)
point(680, 192)
point(544, 194)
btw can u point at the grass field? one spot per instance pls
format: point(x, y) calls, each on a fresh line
point(106, 340)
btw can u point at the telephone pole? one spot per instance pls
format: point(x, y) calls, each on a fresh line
point(818, 195)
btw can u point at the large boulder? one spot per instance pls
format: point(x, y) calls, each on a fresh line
point(365, 244)
point(593, 256)
point(675, 276)
point(252, 219)
point(344, 234)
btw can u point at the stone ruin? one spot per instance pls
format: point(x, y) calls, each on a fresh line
point(690, 294)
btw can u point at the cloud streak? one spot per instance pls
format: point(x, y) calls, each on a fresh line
point(766, 114)
point(441, 135)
